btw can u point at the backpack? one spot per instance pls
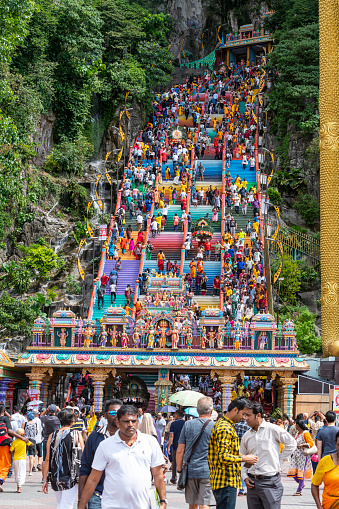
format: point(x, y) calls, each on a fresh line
point(5, 439)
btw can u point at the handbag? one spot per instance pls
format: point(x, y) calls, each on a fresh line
point(184, 471)
point(310, 450)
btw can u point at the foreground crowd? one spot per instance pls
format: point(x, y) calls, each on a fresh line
point(120, 461)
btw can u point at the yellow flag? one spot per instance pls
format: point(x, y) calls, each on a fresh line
point(128, 114)
point(89, 229)
point(218, 34)
point(107, 156)
point(81, 270)
point(120, 154)
point(254, 117)
point(121, 114)
point(126, 96)
point(122, 133)
point(108, 178)
point(89, 205)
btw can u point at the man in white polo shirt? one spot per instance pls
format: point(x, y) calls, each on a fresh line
point(128, 459)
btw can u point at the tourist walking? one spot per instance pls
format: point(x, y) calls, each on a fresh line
point(240, 427)
point(263, 480)
point(173, 441)
point(62, 461)
point(224, 456)
point(128, 459)
point(328, 473)
point(95, 438)
point(31, 431)
point(192, 452)
point(326, 436)
point(18, 448)
point(301, 466)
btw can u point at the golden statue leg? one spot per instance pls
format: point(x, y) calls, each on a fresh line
point(329, 175)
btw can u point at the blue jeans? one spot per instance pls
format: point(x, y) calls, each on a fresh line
point(243, 486)
point(94, 502)
point(225, 497)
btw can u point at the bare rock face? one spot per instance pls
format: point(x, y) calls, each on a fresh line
point(43, 136)
point(190, 20)
point(195, 17)
point(131, 128)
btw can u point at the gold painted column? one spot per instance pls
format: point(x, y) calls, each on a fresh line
point(287, 388)
point(35, 381)
point(226, 377)
point(99, 378)
point(228, 57)
point(329, 175)
point(248, 55)
point(162, 387)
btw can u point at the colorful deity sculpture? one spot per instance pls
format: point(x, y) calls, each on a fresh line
point(151, 338)
point(175, 336)
point(103, 336)
point(164, 299)
point(171, 301)
point(189, 338)
point(163, 333)
point(89, 333)
point(220, 338)
point(124, 337)
point(157, 300)
point(211, 338)
point(62, 336)
point(163, 399)
point(203, 338)
point(263, 341)
point(148, 300)
point(114, 336)
point(136, 337)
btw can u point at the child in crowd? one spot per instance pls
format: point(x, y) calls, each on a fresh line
point(18, 447)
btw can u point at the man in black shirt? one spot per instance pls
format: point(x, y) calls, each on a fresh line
point(175, 431)
point(50, 423)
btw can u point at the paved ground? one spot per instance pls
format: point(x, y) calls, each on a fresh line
point(33, 498)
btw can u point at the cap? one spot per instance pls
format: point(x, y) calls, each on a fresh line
point(52, 408)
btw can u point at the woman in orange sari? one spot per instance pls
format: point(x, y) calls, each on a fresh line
point(328, 473)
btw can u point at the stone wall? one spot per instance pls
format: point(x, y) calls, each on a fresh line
point(43, 137)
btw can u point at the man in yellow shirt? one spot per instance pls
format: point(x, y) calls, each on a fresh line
point(224, 456)
point(91, 421)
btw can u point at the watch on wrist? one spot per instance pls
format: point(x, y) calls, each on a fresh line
point(164, 501)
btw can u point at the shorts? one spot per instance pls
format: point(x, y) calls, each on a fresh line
point(199, 491)
point(39, 450)
point(31, 449)
point(207, 253)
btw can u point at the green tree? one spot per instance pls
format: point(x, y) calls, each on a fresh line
point(41, 259)
point(294, 97)
point(14, 18)
point(309, 208)
point(76, 48)
point(69, 156)
point(291, 273)
point(306, 338)
point(17, 316)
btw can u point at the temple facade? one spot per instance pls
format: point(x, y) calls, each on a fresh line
point(161, 341)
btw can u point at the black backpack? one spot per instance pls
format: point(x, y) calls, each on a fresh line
point(5, 439)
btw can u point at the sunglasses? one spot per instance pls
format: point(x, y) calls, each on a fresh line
point(112, 412)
